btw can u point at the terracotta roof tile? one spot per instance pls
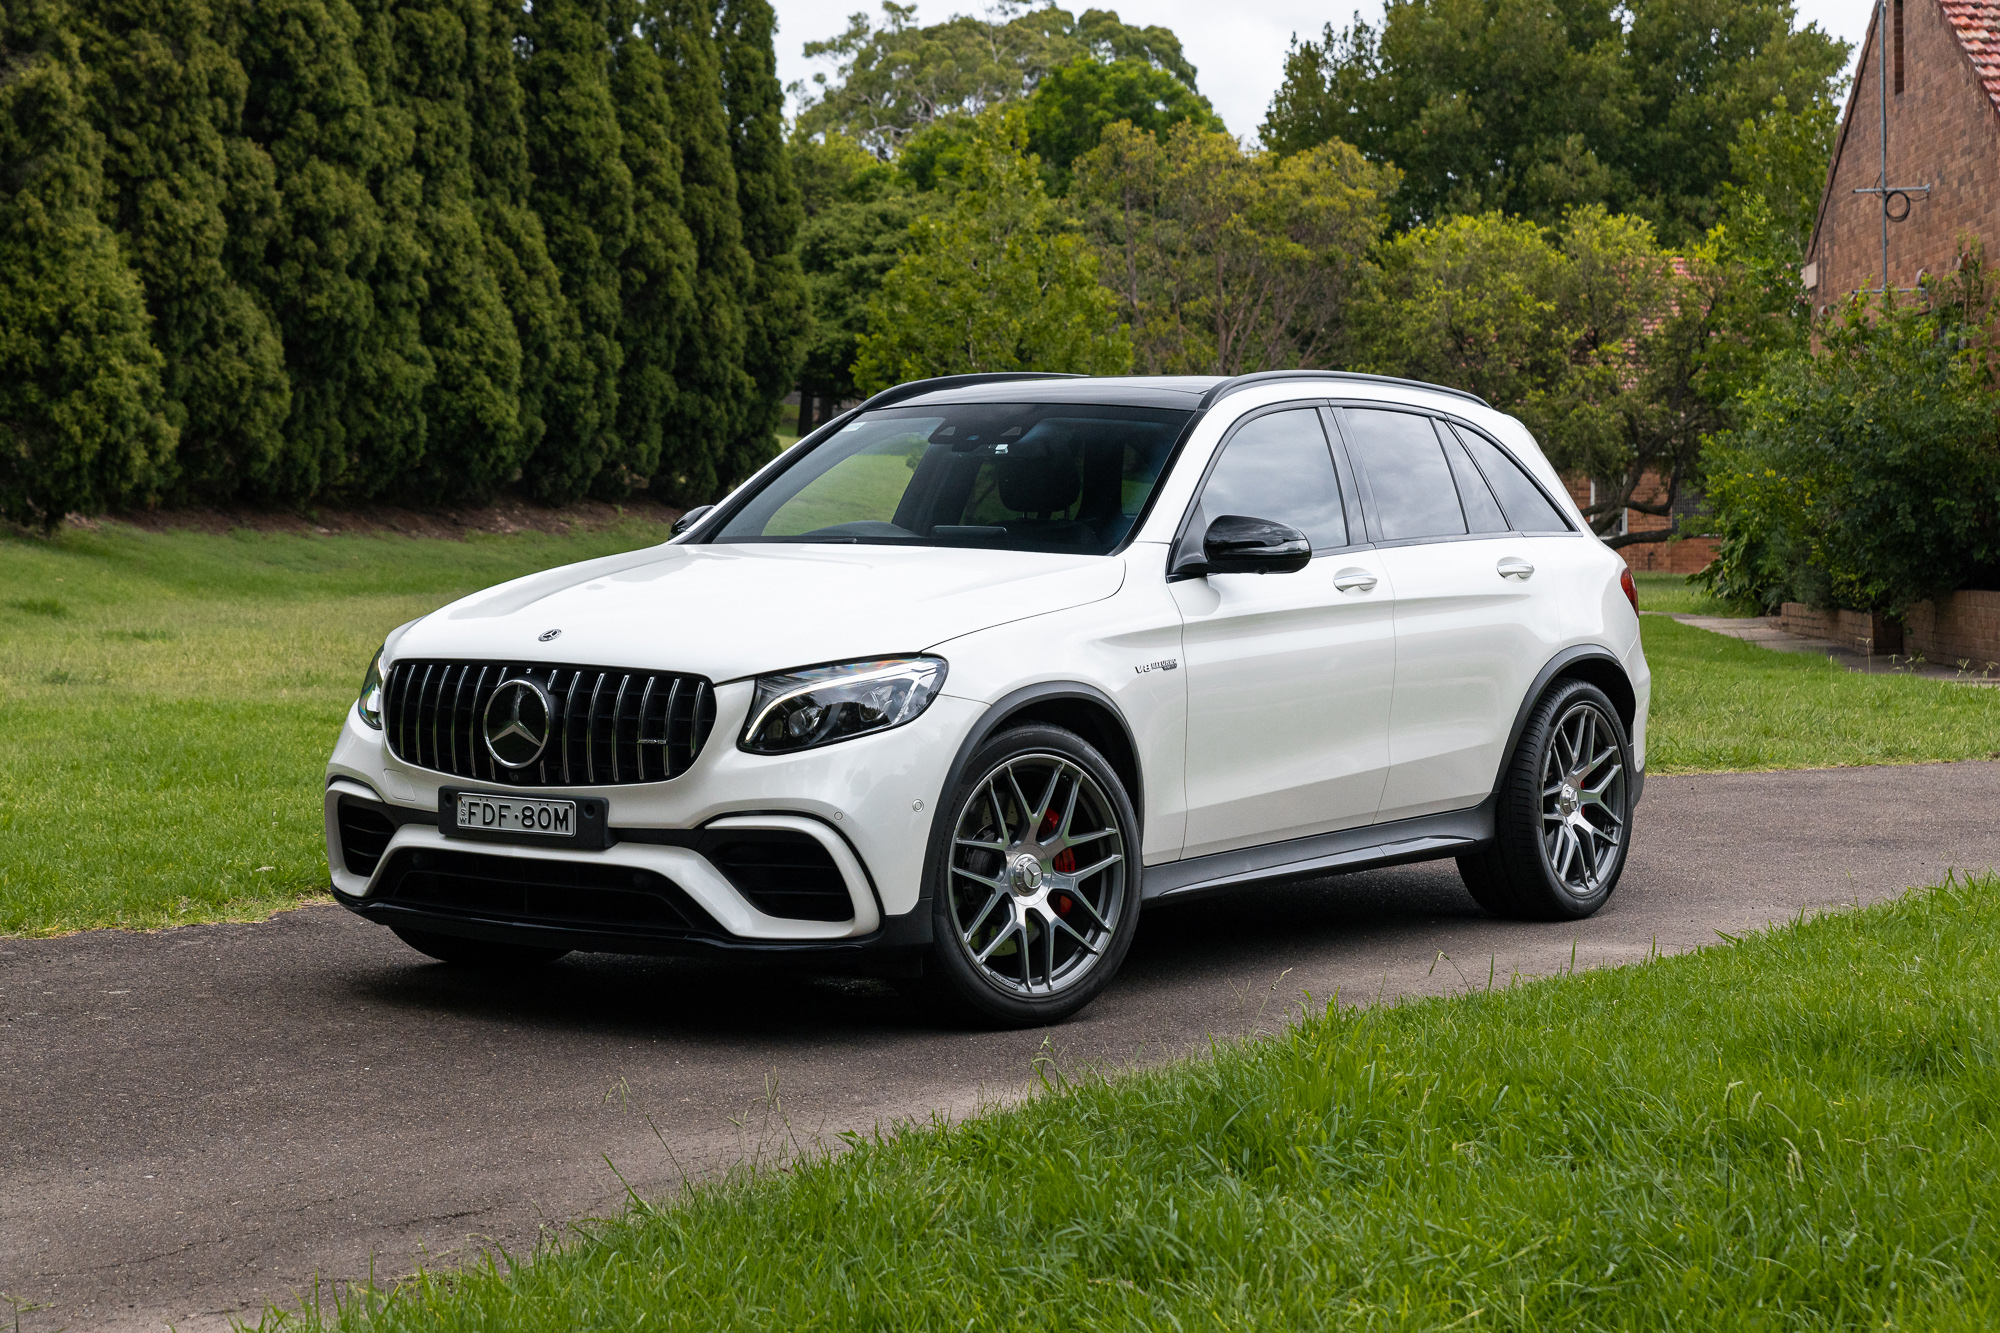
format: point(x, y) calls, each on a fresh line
point(1977, 23)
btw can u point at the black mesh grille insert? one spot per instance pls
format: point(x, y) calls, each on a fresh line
point(364, 836)
point(608, 726)
point(575, 895)
point(783, 873)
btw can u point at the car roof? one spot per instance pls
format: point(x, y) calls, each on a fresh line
point(1186, 392)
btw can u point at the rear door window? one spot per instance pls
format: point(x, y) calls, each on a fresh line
point(1528, 509)
point(1408, 477)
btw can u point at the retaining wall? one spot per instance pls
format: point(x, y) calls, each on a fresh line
point(1964, 627)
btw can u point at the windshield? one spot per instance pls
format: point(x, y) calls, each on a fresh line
point(1027, 477)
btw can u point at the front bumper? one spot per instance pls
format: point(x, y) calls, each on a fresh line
point(862, 810)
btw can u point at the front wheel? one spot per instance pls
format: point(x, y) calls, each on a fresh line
point(1035, 888)
point(1563, 821)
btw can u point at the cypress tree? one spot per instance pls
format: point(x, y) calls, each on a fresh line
point(553, 366)
point(81, 424)
point(339, 276)
point(582, 191)
point(779, 317)
point(657, 269)
point(421, 59)
point(167, 95)
point(714, 390)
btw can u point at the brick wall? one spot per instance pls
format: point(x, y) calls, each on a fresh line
point(1964, 627)
point(1944, 131)
point(1864, 631)
point(1685, 555)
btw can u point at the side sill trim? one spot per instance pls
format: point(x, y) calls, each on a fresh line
point(1425, 838)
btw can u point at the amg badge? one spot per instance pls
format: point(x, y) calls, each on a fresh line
point(1164, 664)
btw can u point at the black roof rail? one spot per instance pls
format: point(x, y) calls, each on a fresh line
point(1234, 383)
point(897, 393)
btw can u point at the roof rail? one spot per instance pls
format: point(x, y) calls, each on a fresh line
point(1251, 381)
point(897, 393)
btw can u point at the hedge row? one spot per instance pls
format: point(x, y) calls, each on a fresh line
point(284, 250)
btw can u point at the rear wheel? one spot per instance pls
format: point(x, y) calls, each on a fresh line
point(1563, 822)
point(481, 955)
point(1035, 892)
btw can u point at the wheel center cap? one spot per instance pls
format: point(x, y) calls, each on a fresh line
point(1566, 799)
point(1024, 874)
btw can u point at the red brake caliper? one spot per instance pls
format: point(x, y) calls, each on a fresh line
point(1064, 863)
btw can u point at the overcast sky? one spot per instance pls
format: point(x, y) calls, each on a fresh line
point(1238, 48)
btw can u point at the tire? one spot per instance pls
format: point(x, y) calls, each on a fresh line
point(1563, 824)
point(1018, 945)
point(481, 955)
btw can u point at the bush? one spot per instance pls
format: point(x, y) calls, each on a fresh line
point(1866, 472)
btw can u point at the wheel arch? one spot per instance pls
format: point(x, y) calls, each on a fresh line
point(1585, 662)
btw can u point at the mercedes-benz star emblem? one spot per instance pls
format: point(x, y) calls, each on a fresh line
point(517, 723)
point(547, 635)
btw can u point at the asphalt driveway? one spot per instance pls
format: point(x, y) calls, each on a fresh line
point(198, 1121)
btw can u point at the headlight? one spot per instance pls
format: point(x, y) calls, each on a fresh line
point(821, 705)
point(370, 702)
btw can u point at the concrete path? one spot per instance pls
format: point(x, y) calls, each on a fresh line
point(198, 1121)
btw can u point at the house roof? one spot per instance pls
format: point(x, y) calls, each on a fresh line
point(1977, 23)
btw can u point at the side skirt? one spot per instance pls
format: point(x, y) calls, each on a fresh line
point(1425, 838)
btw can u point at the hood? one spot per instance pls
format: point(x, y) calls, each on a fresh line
point(727, 611)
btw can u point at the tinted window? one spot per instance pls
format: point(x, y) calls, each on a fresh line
point(1017, 476)
point(1407, 474)
point(1278, 467)
point(1528, 510)
point(1482, 511)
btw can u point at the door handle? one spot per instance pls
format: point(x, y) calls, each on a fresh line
point(1514, 567)
point(1354, 580)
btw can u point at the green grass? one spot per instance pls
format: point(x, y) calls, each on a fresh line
point(1794, 1132)
point(170, 699)
point(1720, 704)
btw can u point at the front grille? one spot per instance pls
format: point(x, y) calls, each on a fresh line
point(364, 836)
point(576, 895)
point(783, 873)
point(610, 726)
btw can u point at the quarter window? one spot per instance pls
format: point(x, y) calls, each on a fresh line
point(1482, 511)
point(1528, 510)
point(1278, 467)
point(1407, 474)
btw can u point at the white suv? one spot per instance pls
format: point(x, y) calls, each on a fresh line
point(952, 688)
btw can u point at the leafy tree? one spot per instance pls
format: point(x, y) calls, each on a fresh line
point(1227, 261)
point(166, 93)
point(894, 80)
point(422, 56)
point(1866, 472)
point(1074, 102)
point(778, 309)
point(582, 192)
point(1620, 357)
point(858, 211)
point(993, 282)
point(1502, 104)
point(81, 424)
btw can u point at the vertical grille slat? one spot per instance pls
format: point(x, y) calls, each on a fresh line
point(604, 722)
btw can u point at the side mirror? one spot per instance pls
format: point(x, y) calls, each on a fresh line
point(1234, 544)
point(690, 518)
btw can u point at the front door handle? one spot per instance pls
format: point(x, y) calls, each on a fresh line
point(1354, 580)
point(1514, 567)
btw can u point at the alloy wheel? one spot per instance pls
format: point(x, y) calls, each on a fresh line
point(1037, 875)
point(1583, 800)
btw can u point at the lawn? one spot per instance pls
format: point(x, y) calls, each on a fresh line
point(172, 697)
point(1613, 1150)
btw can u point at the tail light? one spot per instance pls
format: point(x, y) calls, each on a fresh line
point(1631, 588)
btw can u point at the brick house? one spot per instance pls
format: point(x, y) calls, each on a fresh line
point(1943, 120)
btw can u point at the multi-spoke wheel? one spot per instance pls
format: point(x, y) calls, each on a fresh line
point(1036, 891)
point(1562, 821)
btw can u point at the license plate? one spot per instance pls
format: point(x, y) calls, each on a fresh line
point(516, 814)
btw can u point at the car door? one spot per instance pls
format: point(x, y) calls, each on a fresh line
point(1289, 676)
point(1474, 622)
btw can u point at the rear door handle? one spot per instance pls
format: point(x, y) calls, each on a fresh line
point(1514, 567)
point(1354, 580)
